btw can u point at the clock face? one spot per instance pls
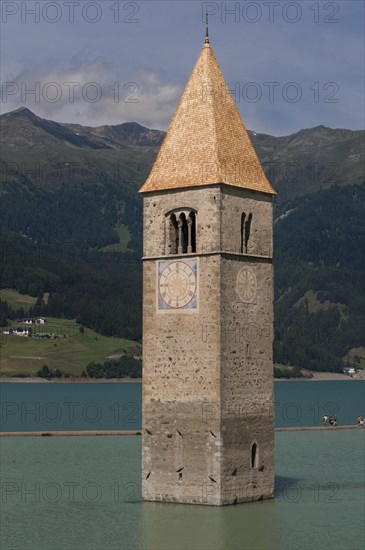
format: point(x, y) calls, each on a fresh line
point(246, 286)
point(177, 284)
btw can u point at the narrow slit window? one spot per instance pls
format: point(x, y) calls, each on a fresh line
point(243, 217)
point(247, 231)
point(254, 456)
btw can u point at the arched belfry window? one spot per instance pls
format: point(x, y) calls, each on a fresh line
point(245, 231)
point(180, 231)
point(172, 235)
point(192, 230)
point(182, 225)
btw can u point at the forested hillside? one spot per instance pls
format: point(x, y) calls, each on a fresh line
point(319, 278)
point(71, 225)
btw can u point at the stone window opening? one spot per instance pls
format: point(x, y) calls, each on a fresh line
point(172, 237)
point(180, 232)
point(243, 217)
point(182, 225)
point(245, 231)
point(254, 456)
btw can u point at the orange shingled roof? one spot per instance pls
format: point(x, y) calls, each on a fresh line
point(207, 142)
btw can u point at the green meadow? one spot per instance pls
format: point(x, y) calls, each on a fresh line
point(76, 347)
point(17, 300)
point(356, 356)
point(124, 238)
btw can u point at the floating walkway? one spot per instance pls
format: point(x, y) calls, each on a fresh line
point(318, 428)
point(138, 432)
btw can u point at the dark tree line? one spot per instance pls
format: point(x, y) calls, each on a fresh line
point(319, 246)
point(124, 367)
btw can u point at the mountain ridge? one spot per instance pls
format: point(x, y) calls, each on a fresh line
point(27, 112)
point(300, 163)
point(72, 192)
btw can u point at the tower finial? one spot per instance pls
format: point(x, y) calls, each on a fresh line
point(206, 29)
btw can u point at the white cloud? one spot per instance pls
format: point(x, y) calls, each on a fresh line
point(92, 93)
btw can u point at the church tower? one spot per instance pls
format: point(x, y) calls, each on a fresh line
point(208, 422)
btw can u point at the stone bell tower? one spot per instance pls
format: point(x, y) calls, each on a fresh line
point(208, 423)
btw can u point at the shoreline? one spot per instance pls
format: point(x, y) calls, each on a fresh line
point(317, 377)
point(71, 433)
point(89, 433)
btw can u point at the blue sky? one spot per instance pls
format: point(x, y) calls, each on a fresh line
point(291, 65)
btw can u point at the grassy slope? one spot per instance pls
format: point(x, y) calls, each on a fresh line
point(17, 300)
point(124, 238)
point(356, 356)
point(70, 354)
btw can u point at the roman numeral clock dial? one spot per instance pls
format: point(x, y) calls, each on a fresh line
point(177, 285)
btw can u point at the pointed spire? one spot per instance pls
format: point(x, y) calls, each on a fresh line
point(206, 29)
point(207, 142)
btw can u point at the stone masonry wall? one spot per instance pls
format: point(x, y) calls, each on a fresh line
point(207, 373)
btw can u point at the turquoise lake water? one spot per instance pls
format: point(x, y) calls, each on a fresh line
point(117, 406)
point(83, 493)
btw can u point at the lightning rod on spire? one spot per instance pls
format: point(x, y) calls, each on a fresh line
point(206, 29)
